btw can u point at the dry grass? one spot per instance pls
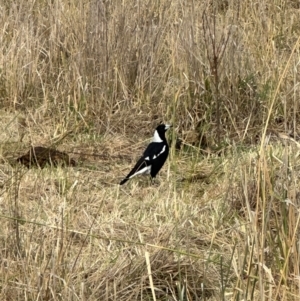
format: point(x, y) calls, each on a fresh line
point(93, 79)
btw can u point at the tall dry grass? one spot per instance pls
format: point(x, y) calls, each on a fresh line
point(94, 78)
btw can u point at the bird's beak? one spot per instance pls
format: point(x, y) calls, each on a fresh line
point(168, 126)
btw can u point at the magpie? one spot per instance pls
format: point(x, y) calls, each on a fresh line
point(153, 157)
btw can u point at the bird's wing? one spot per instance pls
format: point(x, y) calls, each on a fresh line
point(140, 164)
point(151, 153)
point(154, 150)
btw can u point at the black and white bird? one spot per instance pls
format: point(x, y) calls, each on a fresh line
point(153, 157)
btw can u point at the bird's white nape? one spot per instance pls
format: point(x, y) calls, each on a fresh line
point(156, 137)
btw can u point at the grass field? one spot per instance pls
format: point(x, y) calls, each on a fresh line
point(93, 79)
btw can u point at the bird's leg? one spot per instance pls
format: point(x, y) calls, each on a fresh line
point(154, 182)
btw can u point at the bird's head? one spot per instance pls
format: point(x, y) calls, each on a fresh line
point(159, 134)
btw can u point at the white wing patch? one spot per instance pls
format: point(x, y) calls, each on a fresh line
point(145, 170)
point(155, 156)
point(162, 151)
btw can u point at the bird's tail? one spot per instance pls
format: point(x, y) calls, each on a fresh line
point(138, 166)
point(124, 181)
